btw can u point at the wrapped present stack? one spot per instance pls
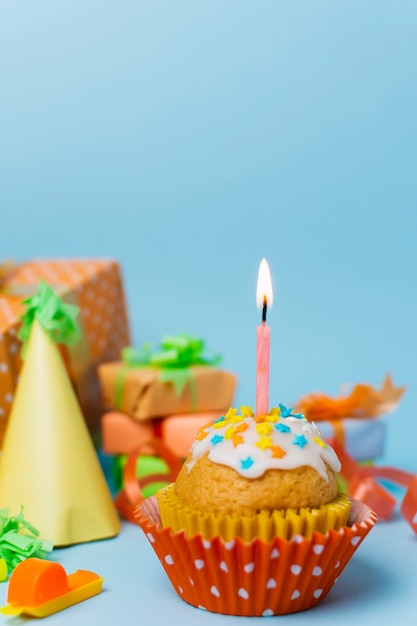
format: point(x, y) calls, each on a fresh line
point(353, 418)
point(96, 287)
point(167, 395)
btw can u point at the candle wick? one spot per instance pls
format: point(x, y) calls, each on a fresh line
point(264, 307)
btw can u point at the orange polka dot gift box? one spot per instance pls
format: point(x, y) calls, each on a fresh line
point(96, 287)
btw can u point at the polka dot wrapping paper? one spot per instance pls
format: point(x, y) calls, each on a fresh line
point(96, 287)
point(254, 578)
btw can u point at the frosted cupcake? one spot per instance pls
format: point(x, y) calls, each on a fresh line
point(254, 506)
point(259, 476)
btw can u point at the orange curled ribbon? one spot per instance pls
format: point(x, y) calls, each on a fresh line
point(363, 486)
point(364, 401)
point(131, 493)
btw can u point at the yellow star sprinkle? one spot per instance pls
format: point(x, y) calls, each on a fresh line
point(229, 432)
point(264, 428)
point(235, 419)
point(272, 418)
point(319, 441)
point(246, 411)
point(275, 411)
point(231, 413)
point(264, 443)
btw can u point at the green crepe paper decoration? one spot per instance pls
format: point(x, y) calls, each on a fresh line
point(176, 355)
point(19, 540)
point(56, 318)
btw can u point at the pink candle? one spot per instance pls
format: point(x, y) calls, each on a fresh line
point(264, 299)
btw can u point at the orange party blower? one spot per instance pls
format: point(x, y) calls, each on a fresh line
point(41, 588)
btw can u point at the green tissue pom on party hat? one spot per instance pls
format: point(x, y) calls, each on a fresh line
point(19, 540)
point(56, 317)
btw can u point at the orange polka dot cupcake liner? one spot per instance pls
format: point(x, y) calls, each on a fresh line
point(256, 578)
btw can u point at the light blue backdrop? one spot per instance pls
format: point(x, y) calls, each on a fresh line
point(189, 139)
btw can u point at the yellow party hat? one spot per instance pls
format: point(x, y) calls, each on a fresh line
point(48, 463)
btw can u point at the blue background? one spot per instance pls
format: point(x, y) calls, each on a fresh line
point(188, 140)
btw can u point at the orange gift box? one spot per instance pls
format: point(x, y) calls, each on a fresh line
point(93, 285)
point(122, 433)
point(144, 396)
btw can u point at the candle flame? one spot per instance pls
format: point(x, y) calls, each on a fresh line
point(264, 287)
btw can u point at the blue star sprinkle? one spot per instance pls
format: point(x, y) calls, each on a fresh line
point(246, 463)
point(216, 439)
point(219, 419)
point(284, 412)
point(283, 428)
point(300, 440)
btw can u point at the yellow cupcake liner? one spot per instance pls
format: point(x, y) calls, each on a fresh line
point(265, 525)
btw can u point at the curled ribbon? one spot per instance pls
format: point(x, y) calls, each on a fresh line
point(174, 358)
point(363, 486)
point(131, 493)
point(363, 402)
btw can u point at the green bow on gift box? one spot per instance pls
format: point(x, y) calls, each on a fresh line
point(174, 358)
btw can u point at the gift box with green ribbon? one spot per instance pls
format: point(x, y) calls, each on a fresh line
point(175, 378)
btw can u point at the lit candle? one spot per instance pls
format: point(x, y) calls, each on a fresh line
point(264, 298)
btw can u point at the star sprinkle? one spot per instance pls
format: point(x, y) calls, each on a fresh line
point(220, 423)
point(264, 442)
point(277, 452)
point(242, 427)
point(300, 440)
point(202, 435)
point(272, 418)
point(237, 439)
point(264, 428)
point(246, 411)
point(216, 439)
point(246, 463)
point(319, 441)
point(283, 428)
point(229, 432)
point(288, 412)
point(231, 413)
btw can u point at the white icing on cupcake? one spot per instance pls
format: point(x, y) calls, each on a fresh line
point(252, 445)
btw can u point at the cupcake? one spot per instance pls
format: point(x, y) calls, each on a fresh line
point(254, 524)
